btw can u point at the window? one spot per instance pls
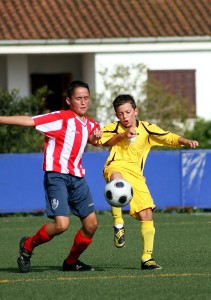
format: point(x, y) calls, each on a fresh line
point(178, 82)
point(57, 83)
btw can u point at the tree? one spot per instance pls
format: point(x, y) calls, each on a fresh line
point(201, 132)
point(160, 106)
point(15, 139)
point(155, 103)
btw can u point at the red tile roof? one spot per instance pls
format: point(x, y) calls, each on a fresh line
point(96, 19)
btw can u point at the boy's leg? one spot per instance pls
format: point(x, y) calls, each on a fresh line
point(82, 240)
point(82, 206)
point(43, 235)
point(119, 230)
point(147, 235)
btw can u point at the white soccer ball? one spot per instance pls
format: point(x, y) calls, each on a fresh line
point(118, 192)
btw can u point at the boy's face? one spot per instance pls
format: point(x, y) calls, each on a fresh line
point(127, 114)
point(79, 101)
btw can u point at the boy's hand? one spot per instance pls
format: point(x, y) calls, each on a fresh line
point(97, 134)
point(192, 144)
point(188, 143)
point(94, 137)
point(130, 132)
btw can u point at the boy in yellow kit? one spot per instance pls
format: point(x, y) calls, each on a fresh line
point(131, 141)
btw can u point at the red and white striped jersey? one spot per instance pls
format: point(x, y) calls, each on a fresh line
point(65, 140)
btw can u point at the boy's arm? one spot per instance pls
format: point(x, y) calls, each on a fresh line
point(188, 143)
point(17, 120)
point(129, 133)
point(94, 137)
point(115, 139)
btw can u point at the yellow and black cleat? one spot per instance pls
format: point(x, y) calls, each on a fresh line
point(119, 237)
point(150, 265)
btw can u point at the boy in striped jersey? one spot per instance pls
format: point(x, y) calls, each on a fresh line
point(131, 141)
point(66, 134)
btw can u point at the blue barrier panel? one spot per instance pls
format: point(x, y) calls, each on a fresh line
point(93, 163)
point(175, 178)
point(162, 172)
point(196, 175)
point(163, 177)
point(21, 183)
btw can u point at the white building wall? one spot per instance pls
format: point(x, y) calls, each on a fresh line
point(17, 74)
point(84, 61)
point(51, 63)
point(178, 60)
point(88, 70)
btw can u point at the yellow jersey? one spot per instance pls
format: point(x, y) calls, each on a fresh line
point(133, 152)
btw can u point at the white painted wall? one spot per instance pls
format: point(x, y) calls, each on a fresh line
point(15, 69)
point(20, 67)
point(17, 74)
point(88, 70)
point(199, 61)
point(61, 63)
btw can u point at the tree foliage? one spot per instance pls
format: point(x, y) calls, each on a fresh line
point(154, 102)
point(121, 79)
point(165, 109)
point(16, 139)
point(201, 132)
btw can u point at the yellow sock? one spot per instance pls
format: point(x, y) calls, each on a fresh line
point(147, 234)
point(117, 215)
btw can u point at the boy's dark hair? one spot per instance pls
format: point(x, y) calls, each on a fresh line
point(122, 99)
point(75, 84)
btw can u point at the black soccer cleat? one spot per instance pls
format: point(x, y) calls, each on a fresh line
point(78, 266)
point(150, 265)
point(119, 237)
point(24, 257)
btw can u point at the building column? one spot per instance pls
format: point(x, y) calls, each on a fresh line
point(88, 70)
point(17, 74)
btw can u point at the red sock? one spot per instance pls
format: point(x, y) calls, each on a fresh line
point(39, 238)
point(80, 244)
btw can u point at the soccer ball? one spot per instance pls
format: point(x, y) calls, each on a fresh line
point(118, 192)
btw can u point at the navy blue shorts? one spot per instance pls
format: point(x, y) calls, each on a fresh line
point(66, 193)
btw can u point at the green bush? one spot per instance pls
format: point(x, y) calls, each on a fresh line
point(16, 139)
point(200, 132)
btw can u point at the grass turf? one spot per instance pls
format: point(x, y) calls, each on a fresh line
point(182, 247)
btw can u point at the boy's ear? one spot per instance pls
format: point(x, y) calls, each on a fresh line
point(117, 117)
point(136, 111)
point(68, 100)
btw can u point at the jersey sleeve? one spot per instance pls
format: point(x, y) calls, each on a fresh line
point(95, 126)
point(49, 124)
point(108, 131)
point(160, 137)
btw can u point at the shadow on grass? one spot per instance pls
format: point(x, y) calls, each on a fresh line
point(33, 269)
point(38, 269)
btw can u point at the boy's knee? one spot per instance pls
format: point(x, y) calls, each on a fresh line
point(90, 227)
point(62, 226)
point(95, 225)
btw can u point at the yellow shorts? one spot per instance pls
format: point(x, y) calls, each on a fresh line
point(142, 198)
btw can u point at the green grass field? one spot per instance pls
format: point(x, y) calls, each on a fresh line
point(182, 247)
